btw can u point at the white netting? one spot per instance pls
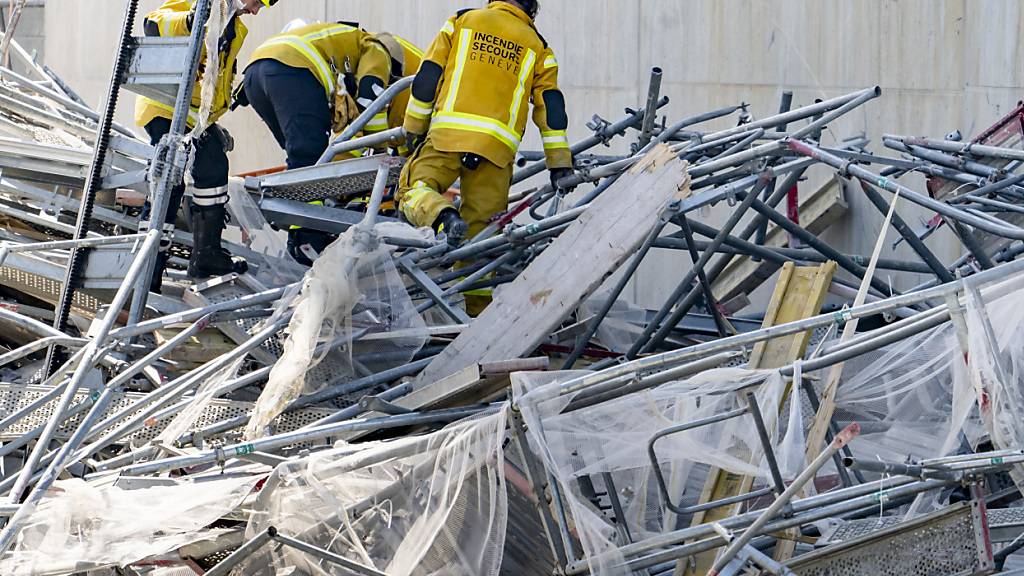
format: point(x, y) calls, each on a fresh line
point(356, 269)
point(914, 399)
point(426, 505)
point(995, 335)
point(580, 446)
point(80, 526)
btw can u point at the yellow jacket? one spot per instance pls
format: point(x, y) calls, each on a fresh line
point(413, 57)
point(474, 88)
point(172, 19)
point(331, 50)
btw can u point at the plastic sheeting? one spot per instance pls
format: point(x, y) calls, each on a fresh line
point(612, 437)
point(995, 351)
point(354, 269)
point(622, 325)
point(914, 399)
point(426, 505)
point(275, 267)
point(80, 526)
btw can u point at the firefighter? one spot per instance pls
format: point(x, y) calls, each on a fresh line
point(312, 80)
point(210, 162)
point(467, 115)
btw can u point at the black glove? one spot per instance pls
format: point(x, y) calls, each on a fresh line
point(559, 173)
point(239, 97)
point(414, 141)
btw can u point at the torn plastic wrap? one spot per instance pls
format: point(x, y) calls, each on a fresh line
point(275, 266)
point(80, 526)
point(416, 506)
point(913, 400)
point(995, 351)
point(355, 270)
point(612, 437)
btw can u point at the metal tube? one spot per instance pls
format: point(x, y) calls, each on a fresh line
point(326, 555)
point(37, 345)
point(651, 110)
point(736, 247)
point(368, 141)
point(595, 323)
point(90, 356)
point(63, 100)
point(145, 408)
point(99, 404)
point(169, 175)
point(9, 247)
point(655, 331)
point(785, 104)
point(864, 502)
point(364, 118)
point(915, 243)
point(702, 280)
point(1006, 231)
point(194, 314)
point(673, 357)
point(841, 439)
point(720, 265)
point(821, 246)
point(224, 567)
point(766, 443)
point(798, 114)
point(806, 509)
point(653, 456)
point(962, 148)
point(270, 443)
point(912, 470)
point(604, 134)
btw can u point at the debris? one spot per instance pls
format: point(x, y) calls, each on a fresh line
point(353, 418)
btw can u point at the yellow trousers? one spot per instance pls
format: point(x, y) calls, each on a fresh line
point(429, 173)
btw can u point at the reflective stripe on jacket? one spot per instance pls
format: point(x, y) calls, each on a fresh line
point(172, 19)
point(323, 49)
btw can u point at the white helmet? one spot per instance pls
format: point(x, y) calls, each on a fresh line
point(297, 23)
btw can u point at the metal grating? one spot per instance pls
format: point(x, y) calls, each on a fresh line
point(953, 540)
point(341, 179)
point(46, 290)
point(851, 529)
point(14, 397)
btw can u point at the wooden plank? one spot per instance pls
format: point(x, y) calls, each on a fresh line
point(526, 311)
point(798, 294)
point(818, 211)
point(474, 384)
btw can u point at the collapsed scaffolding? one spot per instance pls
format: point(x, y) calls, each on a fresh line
point(352, 419)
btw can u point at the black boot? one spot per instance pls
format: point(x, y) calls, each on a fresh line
point(208, 257)
point(156, 283)
point(451, 223)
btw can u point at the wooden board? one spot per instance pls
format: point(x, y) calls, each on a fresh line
point(527, 310)
point(798, 294)
point(818, 211)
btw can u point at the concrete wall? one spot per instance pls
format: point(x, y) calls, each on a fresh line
point(942, 65)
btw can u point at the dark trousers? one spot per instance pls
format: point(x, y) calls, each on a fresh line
point(209, 169)
point(294, 106)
